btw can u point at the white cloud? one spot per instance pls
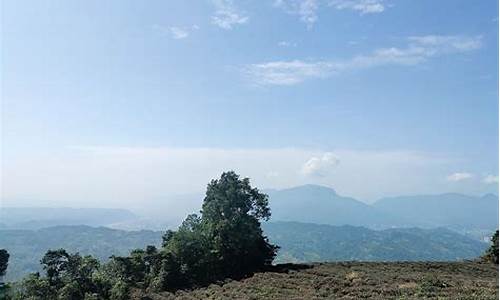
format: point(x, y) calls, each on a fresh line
point(459, 176)
point(305, 9)
point(489, 179)
point(227, 15)
point(320, 166)
point(179, 33)
point(361, 6)
point(418, 49)
point(287, 44)
point(286, 72)
point(447, 43)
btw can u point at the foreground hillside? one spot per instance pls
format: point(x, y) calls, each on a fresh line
point(355, 280)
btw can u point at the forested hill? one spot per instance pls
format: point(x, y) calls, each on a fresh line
point(302, 242)
point(27, 247)
point(299, 242)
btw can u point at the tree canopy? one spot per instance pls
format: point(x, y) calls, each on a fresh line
point(4, 262)
point(492, 253)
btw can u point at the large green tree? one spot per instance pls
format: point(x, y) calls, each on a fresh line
point(231, 215)
point(226, 240)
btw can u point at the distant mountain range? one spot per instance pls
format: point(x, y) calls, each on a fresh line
point(322, 205)
point(454, 210)
point(40, 217)
point(471, 215)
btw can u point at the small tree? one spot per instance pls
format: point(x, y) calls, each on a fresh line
point(492, 253)
point(68, 277)
point(55, 263)
point(4, 263)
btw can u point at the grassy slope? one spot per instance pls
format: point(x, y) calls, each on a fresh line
point(357, 280)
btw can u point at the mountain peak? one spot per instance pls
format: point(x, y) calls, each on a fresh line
point(312, 188)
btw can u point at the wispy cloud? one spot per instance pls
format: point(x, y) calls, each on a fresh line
point(307, 10)
point(226, 14)
point(320, 165)
point(179, 33)
point(176, 32)
point(361, 6)
point(459, 176)
point(489, 179)
point(418, 50)
point(287, 44)
point(286, 72)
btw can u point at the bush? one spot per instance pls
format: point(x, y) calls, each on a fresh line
point(491, 254)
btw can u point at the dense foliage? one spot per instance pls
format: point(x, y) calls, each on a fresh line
point(226, 240)
point(4, 262)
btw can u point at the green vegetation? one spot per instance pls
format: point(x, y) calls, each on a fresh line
point(491, 254)
point(4, 262)
point(28, 246)
point(301, 243)
point(225, 241)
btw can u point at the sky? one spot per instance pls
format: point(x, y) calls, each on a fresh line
point(119, 103)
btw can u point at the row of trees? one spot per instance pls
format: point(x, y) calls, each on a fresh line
point(225, 240)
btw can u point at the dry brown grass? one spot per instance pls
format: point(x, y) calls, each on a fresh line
point(356, 280)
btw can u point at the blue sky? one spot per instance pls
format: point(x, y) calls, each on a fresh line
point(134, 100)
